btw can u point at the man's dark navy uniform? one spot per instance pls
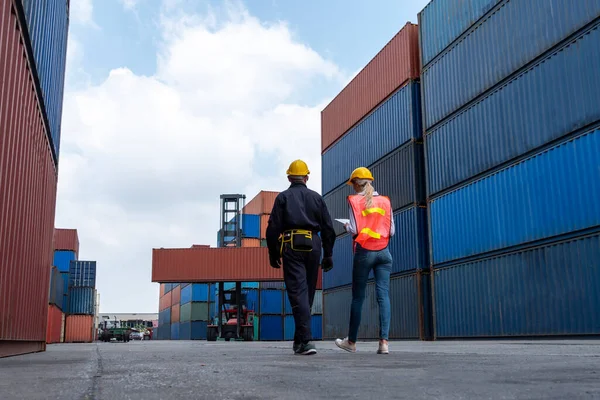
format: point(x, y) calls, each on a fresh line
point(298, 216)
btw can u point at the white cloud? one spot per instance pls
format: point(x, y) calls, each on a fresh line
point(144, 159)
point(129, 4)
point(81, 12)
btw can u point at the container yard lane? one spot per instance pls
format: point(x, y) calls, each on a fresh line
point(269, 370)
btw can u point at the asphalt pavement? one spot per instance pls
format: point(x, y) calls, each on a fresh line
point(269, 370)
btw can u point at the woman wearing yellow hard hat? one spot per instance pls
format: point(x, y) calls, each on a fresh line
point(372, 225)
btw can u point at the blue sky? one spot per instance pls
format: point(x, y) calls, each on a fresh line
point(169, 103)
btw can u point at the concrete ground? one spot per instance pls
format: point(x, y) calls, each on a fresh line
point(263, 370)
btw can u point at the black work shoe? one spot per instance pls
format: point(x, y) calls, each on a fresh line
point(306, 349)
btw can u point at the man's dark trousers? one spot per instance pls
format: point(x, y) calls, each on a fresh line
point(300, 273)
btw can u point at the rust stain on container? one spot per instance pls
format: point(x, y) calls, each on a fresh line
point(79, 329)
point(247, 264)
point(175, 313)
point(27, 198)
point(55, 320)
point(66, 239)
point(249, 242)
point(397, 63)
point(261, 204)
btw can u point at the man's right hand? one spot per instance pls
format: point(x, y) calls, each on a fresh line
point(327, 264)
point(275, 261)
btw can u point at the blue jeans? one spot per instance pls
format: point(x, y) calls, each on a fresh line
point(381, 263)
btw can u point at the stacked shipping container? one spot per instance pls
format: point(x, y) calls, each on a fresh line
point(28, 176)
point(512, 144)
point(380, 125)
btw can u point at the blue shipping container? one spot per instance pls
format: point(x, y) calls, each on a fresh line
point(81, 300)
point(287, 305)
point(548, 290)
point(251, 226)
point(271, 327)
point(164, 316)
point(62, 260)
point(65, 302)
point(392, 124)
point(271, 302)
point(185, 331)
point(409, 299)
point(489, 52)
point(400, 176)
point(48, 25)
point(408, 247)
point(554, 97)
point(549, 194)
point(195, 330)
point(57, 288)
point(195, 292)
point(272, 285)
point(316, 327)
point(82, 274)
point(252, 299)
point(175, 331)
point(441, 22)
point(165, 331)
point(289, 328)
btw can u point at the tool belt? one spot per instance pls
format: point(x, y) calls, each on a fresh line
point(298, 240)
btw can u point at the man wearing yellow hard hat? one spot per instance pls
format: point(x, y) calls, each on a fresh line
point(372, 225)
point(298, 216)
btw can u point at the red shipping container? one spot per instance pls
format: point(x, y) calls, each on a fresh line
point(394, 65)
point(264, 222)
point(27, 197)
point(66, 239)
point(55, 320)
point(320, 280)
point(79, 329)
point(176, 296)
point(162, 290)
point(261, 204)
point(246, 264)
point(165, 301)
point(249, 242)
point(200, 246)
point(175, 313)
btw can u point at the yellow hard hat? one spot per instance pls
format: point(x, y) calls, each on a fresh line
point(361, 173)
point(298, 168)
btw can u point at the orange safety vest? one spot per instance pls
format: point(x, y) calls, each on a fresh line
point(373, 225)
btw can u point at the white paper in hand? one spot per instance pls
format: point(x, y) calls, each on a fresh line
point(343, 221)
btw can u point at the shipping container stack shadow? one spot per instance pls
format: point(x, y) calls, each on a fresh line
point(511, 111)
point(375, 122)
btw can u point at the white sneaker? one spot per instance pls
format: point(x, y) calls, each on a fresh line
point(345, 345)
point(383, 349)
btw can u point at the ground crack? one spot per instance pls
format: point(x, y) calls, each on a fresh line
point(93, 391)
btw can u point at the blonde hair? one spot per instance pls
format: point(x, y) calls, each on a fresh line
point(365, 184)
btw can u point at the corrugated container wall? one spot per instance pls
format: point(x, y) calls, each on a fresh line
point(62, 259)
point(551, 193)
point(548, 290)
point(392, 124)
point(551, 98)
point(54, 328)
point(212, 265)
point(410, 302)
point(48, 26)
point(28, 187)
point(81, 300)
point(82, 273)
point(487, 54)
point(79, 329)
point(441, 22)
point(394, 65)
point(66, 239)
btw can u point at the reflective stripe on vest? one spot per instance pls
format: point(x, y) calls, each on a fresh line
point(373, 224)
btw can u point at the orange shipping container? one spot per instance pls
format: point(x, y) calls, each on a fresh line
point(394, 65)
point(264, 222)
point(162, 290)
point(176, 295)
point(66, 239)
point(247, 264)
point(54, 328)
point(249, 242)
point(175, 313)
point(27, 195)
point(261, 204)
point(79, 329)
point(165, 301)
